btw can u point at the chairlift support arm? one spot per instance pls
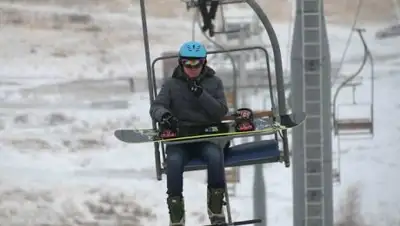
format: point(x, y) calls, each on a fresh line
point(363, 63)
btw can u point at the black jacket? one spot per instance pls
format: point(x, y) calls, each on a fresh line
point(176, 98)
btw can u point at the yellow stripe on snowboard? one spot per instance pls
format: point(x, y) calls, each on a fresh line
point(271, 130)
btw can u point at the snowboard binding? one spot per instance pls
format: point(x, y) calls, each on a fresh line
point(244, 120)
point(166, 132)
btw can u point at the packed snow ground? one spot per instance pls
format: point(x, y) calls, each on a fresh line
point(62, 166)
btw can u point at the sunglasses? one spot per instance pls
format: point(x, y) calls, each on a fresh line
point(192, 63)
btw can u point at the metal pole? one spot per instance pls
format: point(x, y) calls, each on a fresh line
point(146, 49)
point(150, 82)
point(327, 129)
point(259, 193)
point(311, 92)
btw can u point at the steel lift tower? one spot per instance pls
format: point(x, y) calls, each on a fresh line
point(312, 142)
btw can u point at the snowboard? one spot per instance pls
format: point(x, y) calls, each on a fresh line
point(264, 126)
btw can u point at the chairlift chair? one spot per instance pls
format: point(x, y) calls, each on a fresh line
point(355, 125)
point(265, 151)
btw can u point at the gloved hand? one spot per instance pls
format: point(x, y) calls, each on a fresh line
point(195, 87)
point(168, 121)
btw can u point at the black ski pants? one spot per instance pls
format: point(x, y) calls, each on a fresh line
point(178, 156)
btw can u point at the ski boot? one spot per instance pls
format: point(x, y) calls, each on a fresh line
point(215, 202)
point(176, 209)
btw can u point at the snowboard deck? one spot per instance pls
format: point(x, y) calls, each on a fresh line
point(264, 126)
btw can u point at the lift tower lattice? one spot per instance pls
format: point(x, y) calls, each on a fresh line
point(312, 145)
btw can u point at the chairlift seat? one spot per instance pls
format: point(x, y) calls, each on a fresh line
point(356, 124)
point(266, 151)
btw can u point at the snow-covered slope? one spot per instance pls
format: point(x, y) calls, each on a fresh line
point(60, 165)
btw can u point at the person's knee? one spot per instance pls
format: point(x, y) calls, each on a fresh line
point(174, 157)
point(214, 153)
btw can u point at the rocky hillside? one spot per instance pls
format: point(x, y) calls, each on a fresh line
point(341, 11)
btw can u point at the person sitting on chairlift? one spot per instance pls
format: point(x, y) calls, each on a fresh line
point(208, 15)
point(192, 96)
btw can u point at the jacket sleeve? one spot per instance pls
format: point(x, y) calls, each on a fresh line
point(215, 104)
point(161, 104)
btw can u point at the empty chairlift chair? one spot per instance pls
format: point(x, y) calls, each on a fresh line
point(363, 123)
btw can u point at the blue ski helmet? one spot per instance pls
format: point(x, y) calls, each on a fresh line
point(192, 49)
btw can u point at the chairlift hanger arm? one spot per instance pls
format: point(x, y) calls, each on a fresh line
point(363, 63)
point(365, 57)
point(365, 45)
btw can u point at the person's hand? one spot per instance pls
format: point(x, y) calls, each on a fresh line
point(168, 121)
point(195, 87)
